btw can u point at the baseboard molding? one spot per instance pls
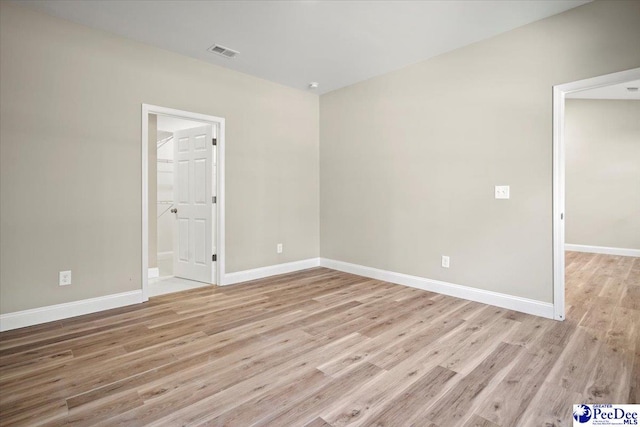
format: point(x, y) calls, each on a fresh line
point(602, 250)
point(165, 255)
point(524, 305)
point(36, 316)
point(153, 273)
point(272, 270)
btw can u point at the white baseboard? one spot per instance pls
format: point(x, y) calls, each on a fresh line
point(165, 255)
point(524, 305)
point(602, 250)
point(153, 273)
point(272, 270)
point(35, 316)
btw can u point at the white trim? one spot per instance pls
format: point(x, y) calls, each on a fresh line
point(602, 250)
point(153, 273)
point(558, 204)
point(35, 316)
point(559, 93)
point(271, 270)
point(219, 266)
point(218, 273)
point(145, 202)
point(524, 305)
point(165, 255)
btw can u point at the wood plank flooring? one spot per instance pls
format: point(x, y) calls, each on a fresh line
point(322, 348)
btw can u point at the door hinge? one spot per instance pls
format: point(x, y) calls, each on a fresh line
point(214, 199)
point(214, 257)
point(214, 141)
point(562, 216)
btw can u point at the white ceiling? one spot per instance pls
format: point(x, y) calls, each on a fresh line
point(618, 91)
point(335, 43)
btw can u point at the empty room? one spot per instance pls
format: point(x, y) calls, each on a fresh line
point(319, 213)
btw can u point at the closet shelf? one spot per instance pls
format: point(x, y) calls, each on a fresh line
point(164, 141)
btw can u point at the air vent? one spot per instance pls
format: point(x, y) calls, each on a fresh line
point(223, 51)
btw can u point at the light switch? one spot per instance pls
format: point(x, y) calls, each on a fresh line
point(502, 191)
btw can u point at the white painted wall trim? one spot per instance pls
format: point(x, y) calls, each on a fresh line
point(271, 270)
point(36, 316)
point(153, 273)
point(602, 250)
point(511, 302)
point(524, 305)
point(165, 255)
point(559, 93)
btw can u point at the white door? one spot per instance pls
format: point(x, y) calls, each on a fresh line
point(193, 191)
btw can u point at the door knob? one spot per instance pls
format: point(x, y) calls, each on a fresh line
point(174, 210)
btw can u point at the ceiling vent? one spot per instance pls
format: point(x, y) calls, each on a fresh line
point(223, 51)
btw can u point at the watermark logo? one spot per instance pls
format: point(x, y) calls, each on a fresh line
point(581, 413)
point(605, 415)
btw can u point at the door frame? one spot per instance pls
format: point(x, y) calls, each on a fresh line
point(219, 225)
point(559, 94)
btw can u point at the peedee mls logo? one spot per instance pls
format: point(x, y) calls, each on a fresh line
point(582, 413)
point(605, 415)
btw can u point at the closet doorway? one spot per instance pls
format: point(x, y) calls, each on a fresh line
point(184, 200)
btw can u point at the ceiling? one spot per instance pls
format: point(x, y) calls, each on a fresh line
point(335, 43)
point(618, 91)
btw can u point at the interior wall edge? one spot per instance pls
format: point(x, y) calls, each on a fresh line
point(268, 271)
point(511, 302)
point(602, 250)
point(51, 313)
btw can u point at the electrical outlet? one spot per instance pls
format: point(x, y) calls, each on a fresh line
point(445, 261)
point(279, 248)
point(64, 278)
point(502, 191)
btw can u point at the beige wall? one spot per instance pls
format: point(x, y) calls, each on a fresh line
point(603, 173)
point(409, 160)
point(70, 194)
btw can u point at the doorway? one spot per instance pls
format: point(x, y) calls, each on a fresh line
point(559, 94)
point(183, 200)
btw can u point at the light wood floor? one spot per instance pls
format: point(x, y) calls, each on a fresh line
point(323, 348)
